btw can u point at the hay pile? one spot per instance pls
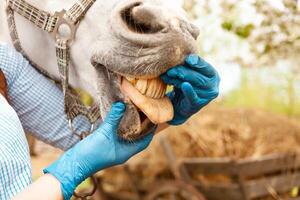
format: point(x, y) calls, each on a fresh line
point(215, 132)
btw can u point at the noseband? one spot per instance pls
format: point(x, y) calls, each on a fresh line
point(53, 24)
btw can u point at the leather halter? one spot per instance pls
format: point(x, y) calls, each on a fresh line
point(52, 23)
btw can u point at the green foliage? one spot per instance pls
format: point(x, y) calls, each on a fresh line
point(85, 97)
point(243, 31)
point(85, 185)
point(227, 25)
point(254, 92)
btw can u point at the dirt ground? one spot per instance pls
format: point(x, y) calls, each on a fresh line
point(45, 156)
point(215, 132)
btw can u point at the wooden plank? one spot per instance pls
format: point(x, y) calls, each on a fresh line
point(209, 165)
point(280, 183)
point(220, 191)
point(268, 164)
point(246, 167)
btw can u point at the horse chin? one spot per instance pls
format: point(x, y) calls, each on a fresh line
point(134, 124)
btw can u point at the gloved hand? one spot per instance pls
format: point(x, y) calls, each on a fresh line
point(196, 83)
point(99, 150)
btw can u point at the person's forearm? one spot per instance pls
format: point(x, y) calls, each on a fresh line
point(46, 187)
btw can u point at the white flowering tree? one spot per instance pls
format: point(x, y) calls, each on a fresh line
point(251, 33)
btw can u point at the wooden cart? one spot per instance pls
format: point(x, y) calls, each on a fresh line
point(248, 178)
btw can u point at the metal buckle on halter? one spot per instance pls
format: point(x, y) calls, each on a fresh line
point(62, 20)
point(83, 134)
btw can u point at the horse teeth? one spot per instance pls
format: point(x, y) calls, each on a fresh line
point(131, 80)
point(154, 88)
point(151, 88)
point(141, 85)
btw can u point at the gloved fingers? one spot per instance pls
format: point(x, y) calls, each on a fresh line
point(171, 81)
point(198, 98)
point(115, 115)
point(127, 149)
point(185, 74)
point(204, 102)
point(173, 95)
point(141, 144)
point(208, 94)
point(144, 142)
point(200, 65)
point(178, 120)
point(189, 92)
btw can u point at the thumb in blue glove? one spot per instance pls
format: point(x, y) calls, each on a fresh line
point(196, 83)
point(100, 150)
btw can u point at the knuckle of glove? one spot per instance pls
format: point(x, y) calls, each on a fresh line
point(215, 93)
point(120, 159)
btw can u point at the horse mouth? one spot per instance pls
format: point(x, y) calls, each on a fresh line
point(145, 97)
point(149, 97)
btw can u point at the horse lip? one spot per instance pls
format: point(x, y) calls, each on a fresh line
point(133, 76)
point(134, 134)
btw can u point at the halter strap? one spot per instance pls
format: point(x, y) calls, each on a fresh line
point(38, 17)
point(51, 24)
point(79, 9)
point(73, 105)
point(45, 20)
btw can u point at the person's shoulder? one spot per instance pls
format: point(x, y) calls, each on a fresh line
point(6, 109)
point(11, 61)
point(7, 53)
point(4, 46)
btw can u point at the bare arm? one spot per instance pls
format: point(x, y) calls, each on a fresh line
point(47, 187)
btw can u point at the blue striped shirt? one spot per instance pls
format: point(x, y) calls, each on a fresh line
point(36, 106)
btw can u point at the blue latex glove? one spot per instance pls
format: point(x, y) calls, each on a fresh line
point(196, 83)
point(100, 150)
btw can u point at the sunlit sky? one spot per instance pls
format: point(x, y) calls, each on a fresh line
point(178, 1)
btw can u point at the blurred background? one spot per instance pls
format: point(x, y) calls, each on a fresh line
point(255, 46)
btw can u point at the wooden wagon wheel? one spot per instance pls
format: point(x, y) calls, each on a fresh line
point(174, 190)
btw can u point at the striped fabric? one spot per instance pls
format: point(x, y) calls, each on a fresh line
point(15, 173)
point(37, 107)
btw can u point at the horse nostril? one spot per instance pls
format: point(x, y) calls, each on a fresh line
point(141, 19)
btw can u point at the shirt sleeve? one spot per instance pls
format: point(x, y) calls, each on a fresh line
point(15, 166)
point(38, 101)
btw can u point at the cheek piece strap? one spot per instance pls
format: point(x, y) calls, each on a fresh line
point(62, 27)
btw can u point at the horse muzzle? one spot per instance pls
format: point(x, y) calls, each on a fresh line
point(145, 41)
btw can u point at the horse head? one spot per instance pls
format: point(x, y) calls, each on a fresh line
point(120, 40)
